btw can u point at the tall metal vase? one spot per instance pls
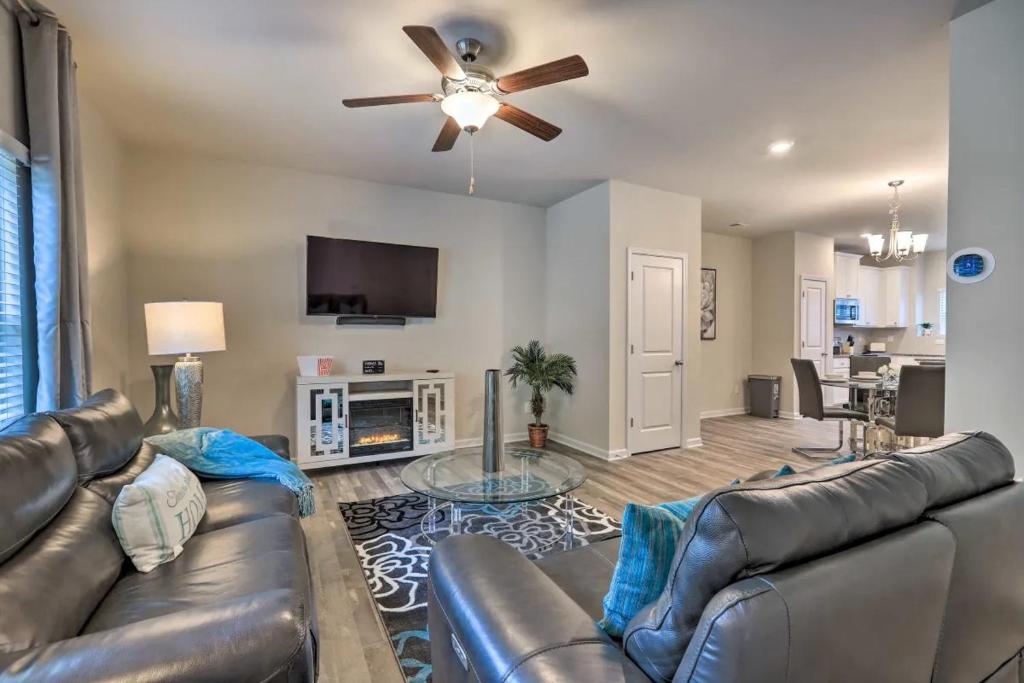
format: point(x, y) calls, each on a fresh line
point(188, 380)
point(494, 438)
point(163, 419)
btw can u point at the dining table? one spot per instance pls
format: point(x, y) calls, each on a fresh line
point(879, 388)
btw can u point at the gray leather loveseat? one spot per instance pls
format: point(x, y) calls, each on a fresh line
point(236, 605)
point(906, 567)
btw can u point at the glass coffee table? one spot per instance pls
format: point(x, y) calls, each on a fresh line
point(455, 484)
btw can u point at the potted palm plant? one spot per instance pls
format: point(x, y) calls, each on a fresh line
point(532, 366)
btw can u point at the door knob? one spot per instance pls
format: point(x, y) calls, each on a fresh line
point(679, 362)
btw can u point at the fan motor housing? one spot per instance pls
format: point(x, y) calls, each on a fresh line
point(478, 78)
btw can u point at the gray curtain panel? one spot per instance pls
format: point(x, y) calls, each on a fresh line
point(58, 215)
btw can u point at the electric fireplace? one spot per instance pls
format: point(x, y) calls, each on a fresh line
point(380, 426)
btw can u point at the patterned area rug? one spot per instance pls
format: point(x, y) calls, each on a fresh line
point(393, 554)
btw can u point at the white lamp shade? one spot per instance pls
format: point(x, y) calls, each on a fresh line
point(470, 109)
point(903, 241)
point(184, 327)
point(919, 240)
point(875, 244)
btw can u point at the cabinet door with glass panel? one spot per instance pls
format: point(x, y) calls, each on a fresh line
point(323, 421)
point(434, 417)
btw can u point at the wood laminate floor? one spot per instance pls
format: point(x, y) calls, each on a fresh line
point(354, 647)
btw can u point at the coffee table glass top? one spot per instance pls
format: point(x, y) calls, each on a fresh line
point(526, 475)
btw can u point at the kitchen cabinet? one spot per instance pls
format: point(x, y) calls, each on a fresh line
point(834, 396)
point(847, 275)
point(872, 305)
point(896, 296)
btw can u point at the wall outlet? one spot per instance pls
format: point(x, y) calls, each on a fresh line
point(890, 338)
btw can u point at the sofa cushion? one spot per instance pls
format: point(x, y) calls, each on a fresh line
point(235, 501)
point(157, 514)
point(584, 573)
point(110, 486)
point(984, 623)
point(755, 528)
point(37, 478)
point(105, 432)
point(958, 466)
point(52, 585)
point(262, 555)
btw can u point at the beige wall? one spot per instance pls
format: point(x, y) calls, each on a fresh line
point(652, 219)
point(102, 166)
point(986, 173)
point(576, 309)
point(774, 316)
point(204, 229)
point(589, 236)
point(727, 360)
point(814, 256)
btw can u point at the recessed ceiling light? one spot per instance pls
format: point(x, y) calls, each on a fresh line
point(780, 147)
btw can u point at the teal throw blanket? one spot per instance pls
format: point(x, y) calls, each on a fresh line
point(224, 454)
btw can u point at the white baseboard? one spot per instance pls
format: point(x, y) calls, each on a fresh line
point(722, 412)
point(587, 448)
point(788, 415)
point(694, 442)
point(478, 441)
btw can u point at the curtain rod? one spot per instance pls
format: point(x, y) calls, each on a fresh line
point(28, 10)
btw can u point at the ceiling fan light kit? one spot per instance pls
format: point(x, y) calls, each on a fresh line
point(470, 94)
point(470, 109)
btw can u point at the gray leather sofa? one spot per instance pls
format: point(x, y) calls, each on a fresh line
point(906, 567)
point(236, 605)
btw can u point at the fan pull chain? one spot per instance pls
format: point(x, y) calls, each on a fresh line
point(472, 177)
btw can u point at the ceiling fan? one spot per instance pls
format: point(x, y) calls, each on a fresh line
point(470, 93)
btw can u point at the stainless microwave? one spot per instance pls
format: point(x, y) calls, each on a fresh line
point(847, 311)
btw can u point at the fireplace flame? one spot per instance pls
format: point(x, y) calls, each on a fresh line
point(376, 439)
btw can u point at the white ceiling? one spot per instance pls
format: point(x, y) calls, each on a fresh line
point(683, 95)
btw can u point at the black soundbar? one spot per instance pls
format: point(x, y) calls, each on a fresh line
point(370, 320)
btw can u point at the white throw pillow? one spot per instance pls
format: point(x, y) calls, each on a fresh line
point(154, 515)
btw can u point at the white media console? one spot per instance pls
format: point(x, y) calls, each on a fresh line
point(349, 419)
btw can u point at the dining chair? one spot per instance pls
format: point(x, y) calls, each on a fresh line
point(812, 405)
point(920, 403)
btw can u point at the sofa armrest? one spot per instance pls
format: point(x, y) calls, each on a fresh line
point(257, 638)
point(494, 616)
point(275, 442)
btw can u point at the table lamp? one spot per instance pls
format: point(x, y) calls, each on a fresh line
point(181, 327)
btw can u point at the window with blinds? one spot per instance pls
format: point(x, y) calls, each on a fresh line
point(13, 212)
point(942, 312)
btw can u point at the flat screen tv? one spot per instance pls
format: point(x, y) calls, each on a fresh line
point(353, 277)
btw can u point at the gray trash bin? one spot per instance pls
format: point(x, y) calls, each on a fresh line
point(764, 395)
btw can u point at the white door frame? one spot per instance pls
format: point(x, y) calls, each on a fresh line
point(638, 251)
point(829, 329)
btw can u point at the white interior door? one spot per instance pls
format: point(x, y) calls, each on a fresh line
point(814, 342)
point(655, 348)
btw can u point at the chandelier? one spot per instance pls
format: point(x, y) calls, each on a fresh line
point(904, 245)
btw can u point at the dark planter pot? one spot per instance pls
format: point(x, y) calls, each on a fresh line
point(538, 435)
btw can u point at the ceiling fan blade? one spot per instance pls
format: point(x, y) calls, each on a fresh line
point(528, 122)
point(545, 74)
point(446, 138)
point(427, 40)
point(391, 99)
